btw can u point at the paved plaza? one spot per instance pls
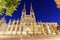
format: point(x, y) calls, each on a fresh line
point(32, 37)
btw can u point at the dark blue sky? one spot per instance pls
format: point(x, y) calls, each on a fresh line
point(45, 10)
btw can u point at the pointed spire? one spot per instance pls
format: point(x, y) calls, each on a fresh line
point(24, 8)
point(24, 11)
point(31, 9)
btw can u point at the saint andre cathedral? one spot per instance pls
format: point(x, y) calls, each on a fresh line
point(27, 25)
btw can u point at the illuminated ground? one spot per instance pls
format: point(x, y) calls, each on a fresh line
point(35, 37)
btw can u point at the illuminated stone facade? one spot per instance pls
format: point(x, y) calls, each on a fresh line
point(57, 3)
point(28, 25)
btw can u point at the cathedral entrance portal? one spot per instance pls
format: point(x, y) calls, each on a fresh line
point(28, 31)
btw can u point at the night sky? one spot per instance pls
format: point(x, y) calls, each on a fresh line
point(45, 11)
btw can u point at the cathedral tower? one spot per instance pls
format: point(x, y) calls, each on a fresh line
point(28, 18)
point(27, 21)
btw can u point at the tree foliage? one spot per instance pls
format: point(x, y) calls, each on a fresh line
point(9, 6)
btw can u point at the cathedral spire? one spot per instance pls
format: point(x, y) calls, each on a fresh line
point(24, 8)
point(31, 9)
point(32, 12)
point(24, 11)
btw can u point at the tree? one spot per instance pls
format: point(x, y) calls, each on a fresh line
point(9, 6)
